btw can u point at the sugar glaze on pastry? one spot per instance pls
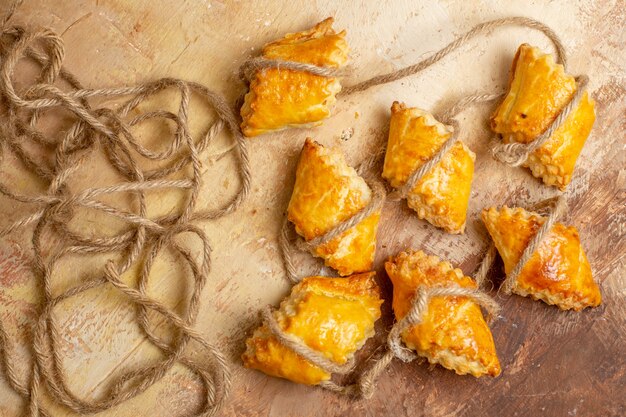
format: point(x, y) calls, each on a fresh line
point(282, 98)
point(453, 332)
point(334, 316)
point(441, 197)
point(538, 90)
point(558, 272)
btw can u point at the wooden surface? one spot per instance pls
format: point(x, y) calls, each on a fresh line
point(554, 363)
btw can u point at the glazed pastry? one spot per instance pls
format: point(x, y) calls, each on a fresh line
point(538, 90)
point(453, 333)
point(441, 196)
point(327, 191)
point(281, 98)
point(334, 316)
point(557, 273)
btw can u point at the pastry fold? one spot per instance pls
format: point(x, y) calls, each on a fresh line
point(281, 98)
point(539, 89)
point(326, 192)
point(441, 197)
point(453, 332)
point(334, 316)
point(557, 273)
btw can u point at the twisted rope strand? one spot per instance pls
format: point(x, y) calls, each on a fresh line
point(485, 265)
point(287, 251)
point(298, 346)
point(252, 65)
point(143, 238)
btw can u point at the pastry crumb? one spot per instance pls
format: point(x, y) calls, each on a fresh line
point(347, 134)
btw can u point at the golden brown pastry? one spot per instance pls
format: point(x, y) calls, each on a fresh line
point(453, 333)
point(281, 98)
point(538, 90)
point(334, 316)
point(557, 273)
point(441, 196)
point(327, 191)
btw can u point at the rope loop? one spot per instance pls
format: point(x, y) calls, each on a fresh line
point(110, 132)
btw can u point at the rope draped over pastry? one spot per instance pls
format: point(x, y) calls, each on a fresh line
point(446, 117)
point(420, 307)
point(252, 65)
point(247, 69)
point(108, 131)
point(378, 197)
point(297, 345)
point(558, 207)
point(425, 168)
point(515, 153)
point(147, 237)
point(511, 152)
point(286, 247)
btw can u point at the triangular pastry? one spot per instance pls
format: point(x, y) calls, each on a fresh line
point(441, 197)
point(280, 98)
point(557, 273)
point(538, 90)
point(334, 316)
point(328, 191)
point(453, 333)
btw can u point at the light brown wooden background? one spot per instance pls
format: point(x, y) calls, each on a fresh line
point(555, 363)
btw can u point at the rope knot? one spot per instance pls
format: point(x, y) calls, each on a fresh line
point(61, 209)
